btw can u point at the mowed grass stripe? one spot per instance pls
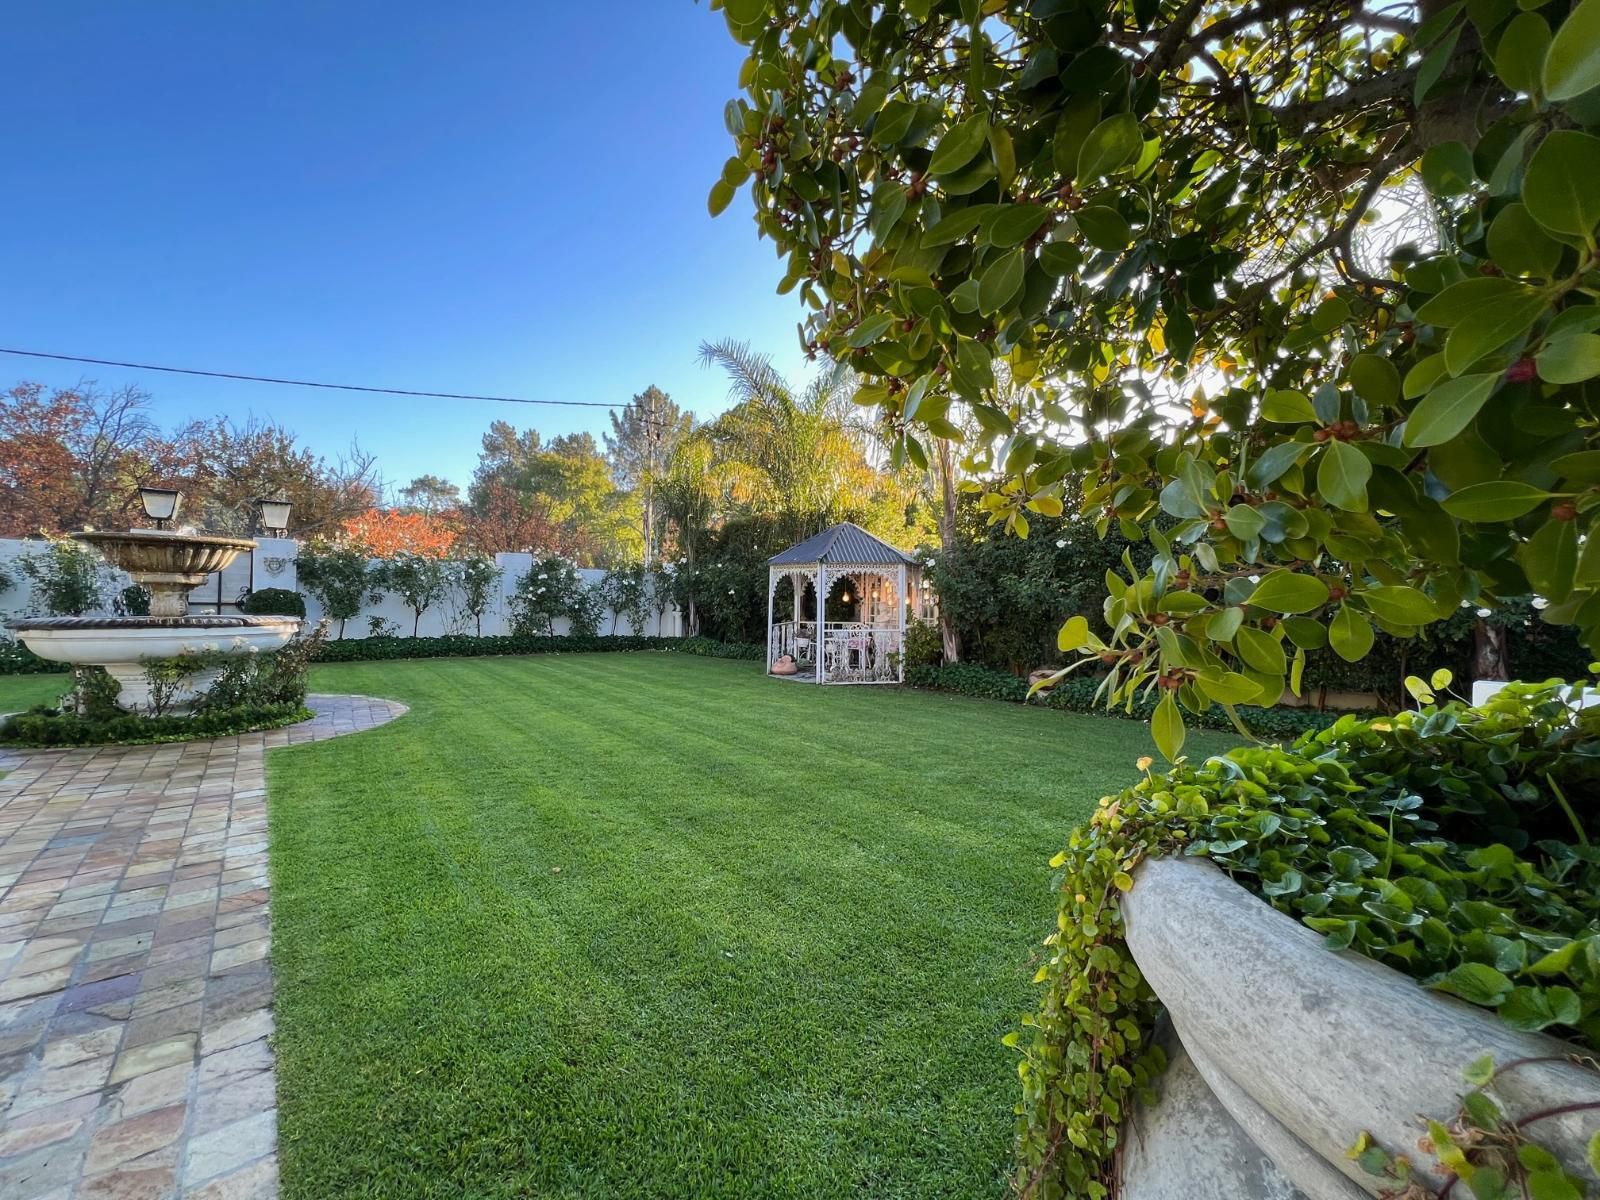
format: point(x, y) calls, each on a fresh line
point(788, 928)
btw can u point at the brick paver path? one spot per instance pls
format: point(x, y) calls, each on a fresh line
point(135, 990)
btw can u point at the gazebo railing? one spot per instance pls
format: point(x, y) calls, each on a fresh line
point(858, 653)
point(798, 638)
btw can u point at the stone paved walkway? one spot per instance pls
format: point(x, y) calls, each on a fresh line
point(135, 990)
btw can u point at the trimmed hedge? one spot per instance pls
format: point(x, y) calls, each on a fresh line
point(45, 727)
point(17, 659)
point(274, 602)
point(1078, 695)
point(374, 649)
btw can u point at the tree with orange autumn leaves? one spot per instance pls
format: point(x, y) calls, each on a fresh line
point(385, 532)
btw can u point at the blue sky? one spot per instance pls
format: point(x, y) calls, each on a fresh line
point(500, 197)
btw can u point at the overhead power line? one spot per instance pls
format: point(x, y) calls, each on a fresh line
point(307, 383)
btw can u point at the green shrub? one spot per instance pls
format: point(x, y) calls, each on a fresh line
point(17, 659)
point(69, 578)
point(1444, 843)
point(274, 602)
point(337, 577)
point(550, 591)
point(924, 645)
point(45, 727)
point(467, 646)
point(269, 688)
point(1077, 694)
point(132, 601)
point(710, 648)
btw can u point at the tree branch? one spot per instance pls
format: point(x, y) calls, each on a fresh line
point(1339, 235)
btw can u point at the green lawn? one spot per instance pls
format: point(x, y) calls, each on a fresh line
point(18, 692)
point(650, 925)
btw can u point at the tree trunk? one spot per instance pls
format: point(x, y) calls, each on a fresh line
point(948, 633)
point(649, 519)
point(1490, 659)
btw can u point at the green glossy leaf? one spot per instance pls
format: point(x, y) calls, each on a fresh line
point(1562, 186)
point(722, 193)
point(1570, 359)
point(1350, 634)
point(1476, 983)
point(1519, 245)
point(1289, 592)
point(1228, 687)
point(1572, 65)
point(1448, 409)
point(1375, 379)
point(1260, 650)
point(1104, 227)
point(974, 369)
point(1330, 314)
point(888, 206)
point(1073, 635)
point(1493, 325)
point(1400, 605)
point(1519, 56)
point(1111, 144)
point(1460, 300)
point(1447, 169)
point(1014, 224)
point(1342, 476)
point(1423, 376)
point(960, 145)
point(1243, 522)
point(1433, 65)
point(1500, 500)
point(1283, 407)
point(1001, 282)
point(1271, 463)
point(870, 330)
point(1550, 559)
point(957, 225)
point(1079, 117)
point(1166, 726)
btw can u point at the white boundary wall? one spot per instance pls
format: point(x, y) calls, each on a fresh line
point(272, 564)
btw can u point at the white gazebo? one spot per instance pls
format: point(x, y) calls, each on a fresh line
point(851, 594)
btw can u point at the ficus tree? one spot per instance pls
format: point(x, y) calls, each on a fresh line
point(477, 581)
point(420, 580)
point(337, 575)
point(1304, 291)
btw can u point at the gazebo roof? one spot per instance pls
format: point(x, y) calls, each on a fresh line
point(846, 542)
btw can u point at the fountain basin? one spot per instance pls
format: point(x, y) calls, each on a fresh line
point(122, 645)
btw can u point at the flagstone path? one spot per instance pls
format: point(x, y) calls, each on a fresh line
point(135, 981)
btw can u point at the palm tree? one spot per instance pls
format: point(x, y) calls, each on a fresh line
point(688, 493)
point(803, 456)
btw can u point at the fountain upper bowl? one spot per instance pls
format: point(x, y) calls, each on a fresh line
point(159, 553)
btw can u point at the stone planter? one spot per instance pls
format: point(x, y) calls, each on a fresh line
point(1297, 1050)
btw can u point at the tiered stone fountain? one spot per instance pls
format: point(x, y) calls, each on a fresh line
point(169, 566)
